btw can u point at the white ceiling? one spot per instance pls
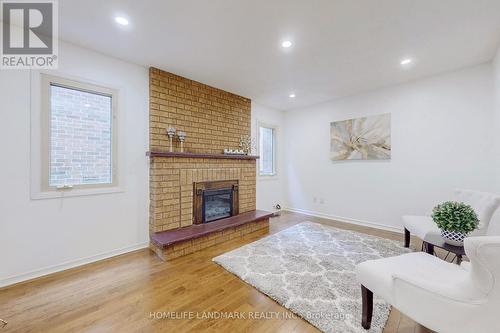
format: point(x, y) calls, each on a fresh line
point(341, 47)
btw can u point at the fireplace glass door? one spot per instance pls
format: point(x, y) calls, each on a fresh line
point(217, 204)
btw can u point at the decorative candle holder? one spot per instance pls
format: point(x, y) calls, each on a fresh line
point(182, 136)
point(171, 134)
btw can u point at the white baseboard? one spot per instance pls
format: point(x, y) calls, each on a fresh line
point(345, 219)
point(70, 264)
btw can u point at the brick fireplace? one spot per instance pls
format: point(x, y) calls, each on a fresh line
point(182, 183)
point(173, 181)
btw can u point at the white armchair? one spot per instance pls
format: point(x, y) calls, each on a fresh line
point(444, 297)
point(485, 204)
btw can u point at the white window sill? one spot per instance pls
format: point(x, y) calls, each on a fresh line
point(273, 176)
point(75, 193)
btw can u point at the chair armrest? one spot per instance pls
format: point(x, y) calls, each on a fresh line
point(438, 290)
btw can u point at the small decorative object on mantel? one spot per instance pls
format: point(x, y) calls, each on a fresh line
point(456, 221)
point(234, 152)
point(182, 137)
point(247, 143)
point(171, 134)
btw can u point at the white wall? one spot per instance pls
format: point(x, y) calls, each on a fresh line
point(270, 189)
point(495, 223)
point(496, 71)
point(42, 236)
point(442, 132)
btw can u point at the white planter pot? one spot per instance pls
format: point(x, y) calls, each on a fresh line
point(453, 238)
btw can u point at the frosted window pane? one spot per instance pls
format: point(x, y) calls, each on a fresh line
point(266, 161)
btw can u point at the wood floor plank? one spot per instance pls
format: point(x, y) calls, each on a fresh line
point(393, 321)
point(123, 294)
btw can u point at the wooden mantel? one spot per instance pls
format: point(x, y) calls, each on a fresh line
point(153, 154)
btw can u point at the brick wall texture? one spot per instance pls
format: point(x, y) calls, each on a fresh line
point(213, 120)
point(171, 187)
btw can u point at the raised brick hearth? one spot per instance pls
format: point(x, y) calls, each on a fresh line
point(175, 243)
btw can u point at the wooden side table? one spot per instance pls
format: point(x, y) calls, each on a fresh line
point(435, 240)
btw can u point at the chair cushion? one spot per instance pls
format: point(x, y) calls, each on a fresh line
point(420, 226)
point(378, 275)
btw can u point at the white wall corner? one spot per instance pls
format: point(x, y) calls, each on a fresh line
point(271, 189)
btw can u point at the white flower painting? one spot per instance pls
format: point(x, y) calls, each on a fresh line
point(366, 138)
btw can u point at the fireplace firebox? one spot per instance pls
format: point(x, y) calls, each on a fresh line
point(217, 204)
point(215, 200)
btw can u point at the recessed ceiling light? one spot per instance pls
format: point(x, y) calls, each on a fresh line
point(406, 61)
point(87, 105)
point(286, 44)
point(292, 95)
point(121, 20)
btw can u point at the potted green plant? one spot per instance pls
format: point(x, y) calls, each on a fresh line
point(456, 220)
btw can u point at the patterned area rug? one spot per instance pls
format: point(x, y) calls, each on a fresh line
point(310, 269)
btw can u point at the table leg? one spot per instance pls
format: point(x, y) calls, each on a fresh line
point(429, 248)
point(407, 238)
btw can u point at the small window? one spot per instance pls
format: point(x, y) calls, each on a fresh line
point(79, 145)
point(267, 151)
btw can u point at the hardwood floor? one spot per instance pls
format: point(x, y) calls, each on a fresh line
point(125, 293)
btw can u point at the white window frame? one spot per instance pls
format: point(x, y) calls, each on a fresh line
point(274, 173)
point(40, 137)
